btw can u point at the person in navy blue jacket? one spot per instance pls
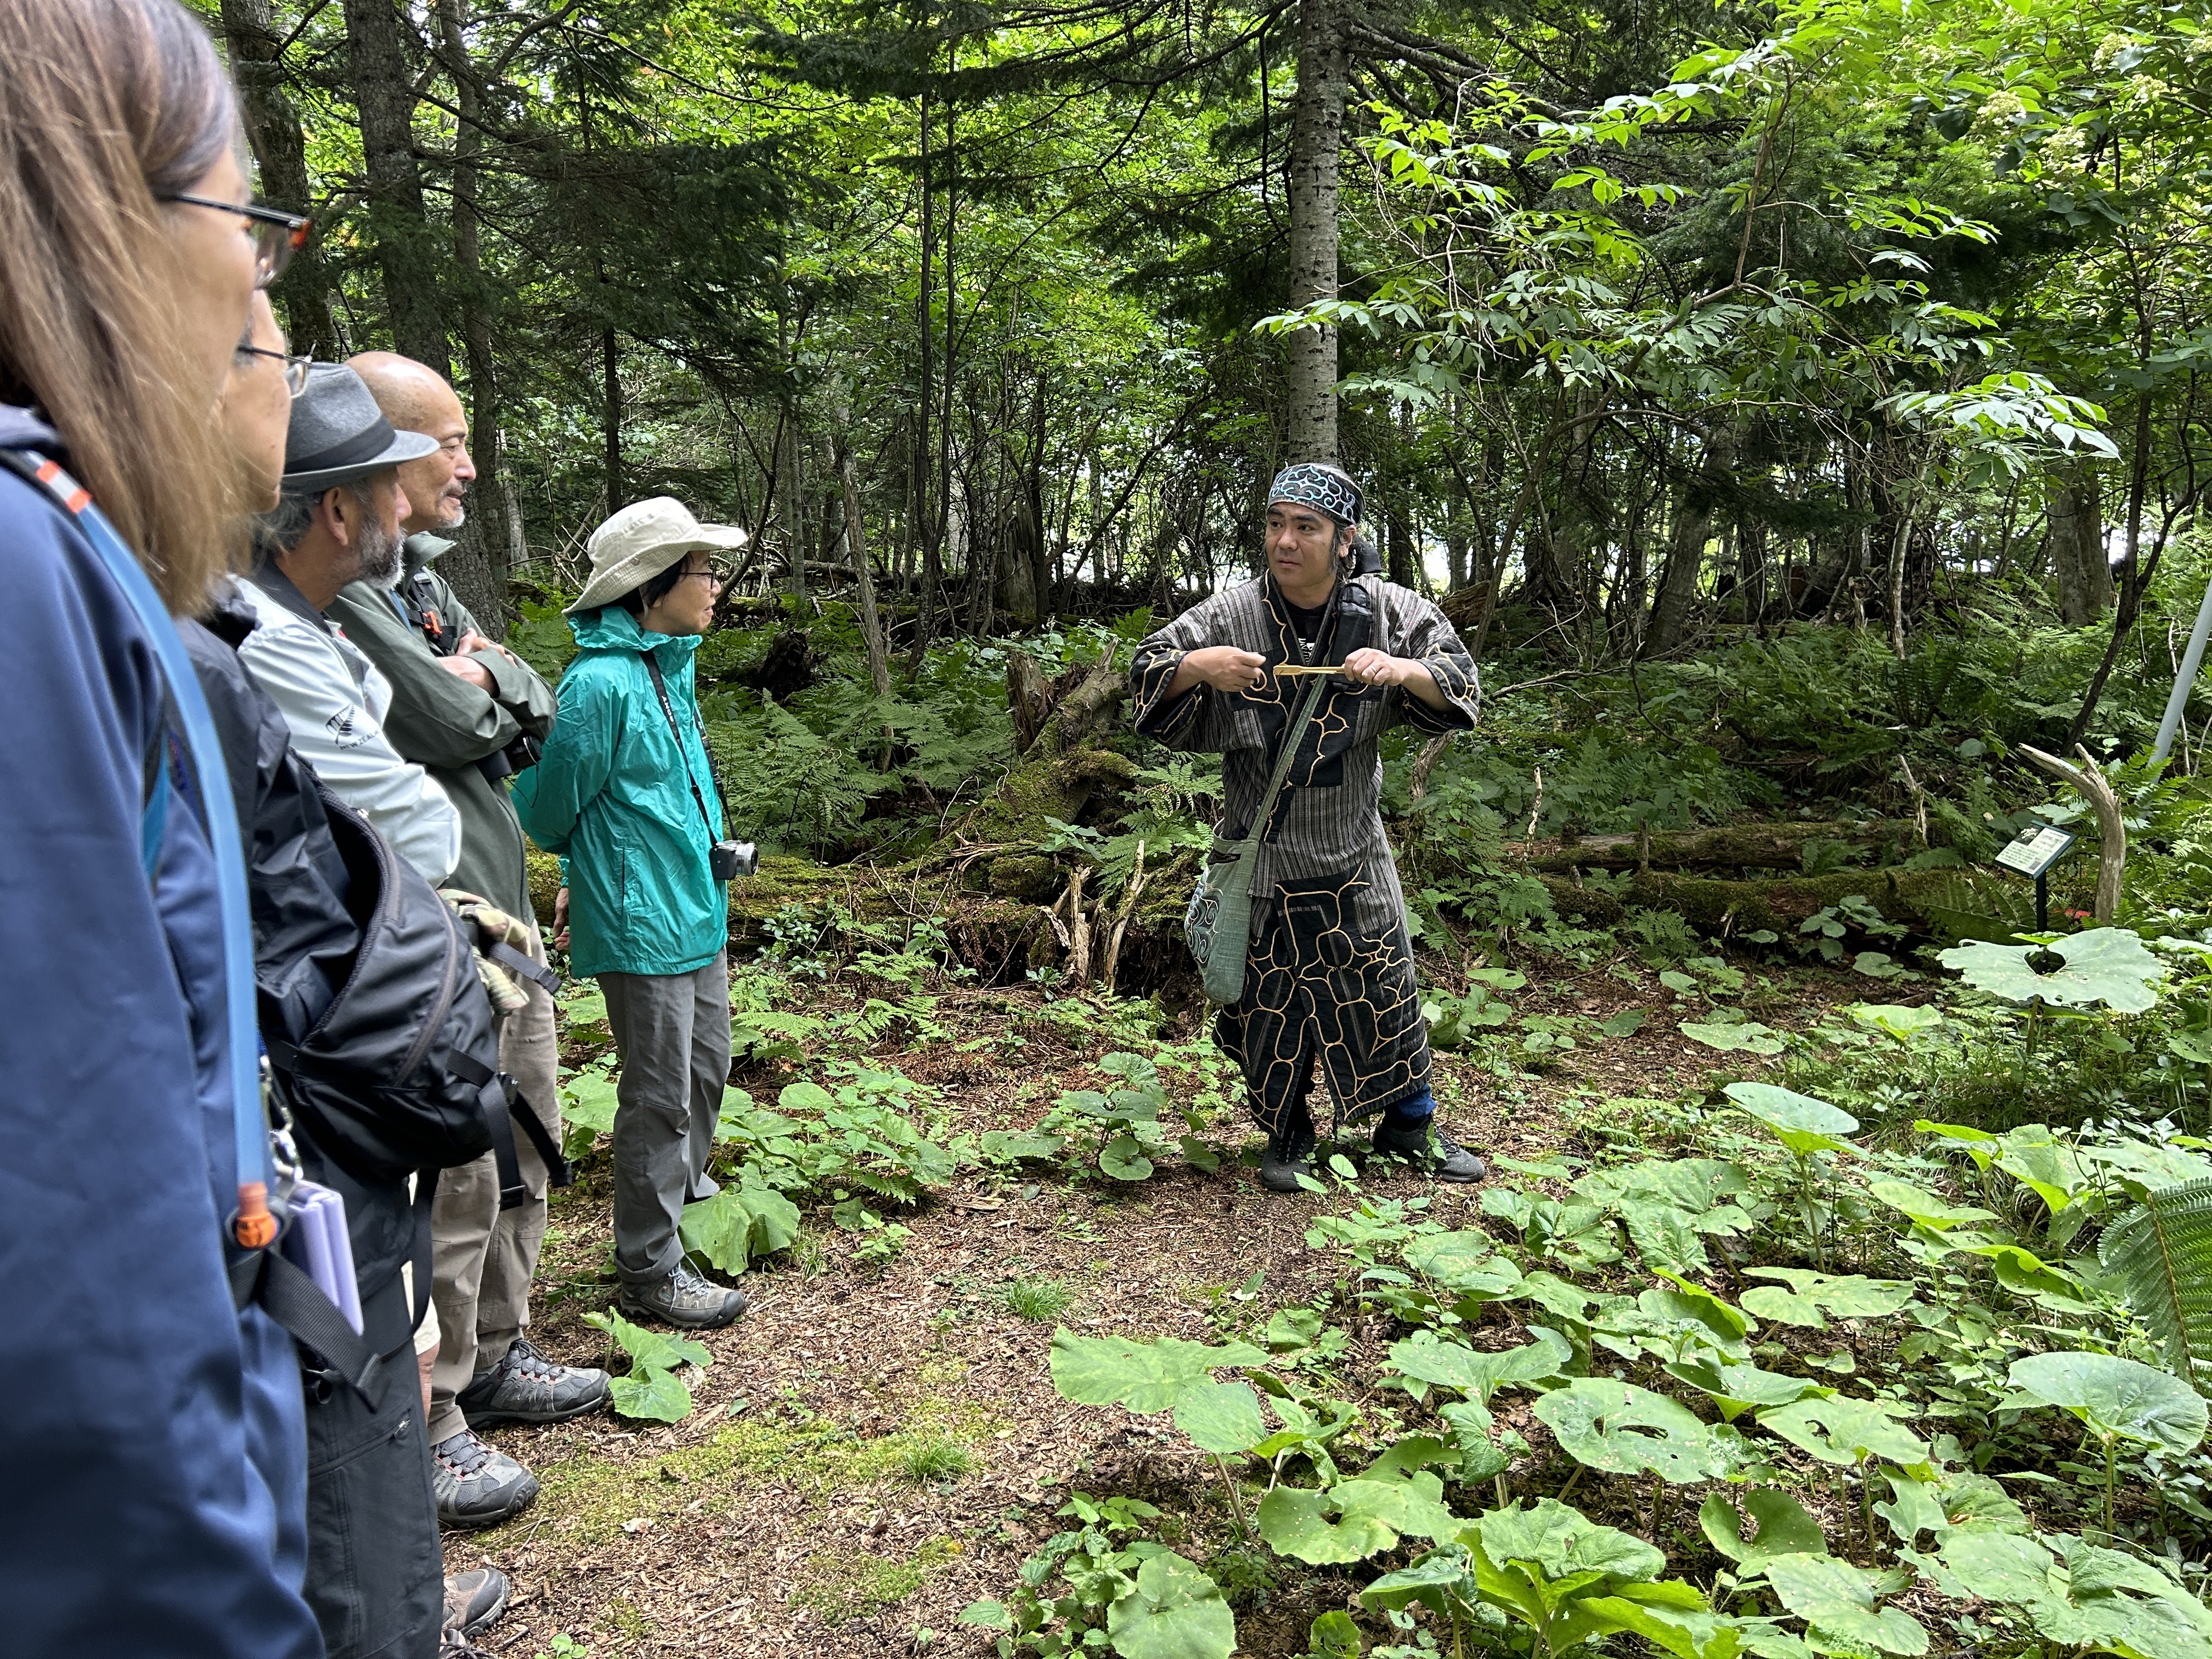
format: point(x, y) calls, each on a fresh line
point(152, 1446)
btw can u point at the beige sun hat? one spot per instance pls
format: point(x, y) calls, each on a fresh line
point(640, 541)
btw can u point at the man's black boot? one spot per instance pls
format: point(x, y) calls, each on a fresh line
point(1289, 1155)
point(1422, 1141)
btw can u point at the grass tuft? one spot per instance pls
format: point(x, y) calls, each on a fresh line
point(929, 1459)
point(1040, 1299)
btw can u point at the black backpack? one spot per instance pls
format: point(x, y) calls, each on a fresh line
point(400, 1071)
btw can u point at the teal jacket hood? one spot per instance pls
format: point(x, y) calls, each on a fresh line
point(629, 804)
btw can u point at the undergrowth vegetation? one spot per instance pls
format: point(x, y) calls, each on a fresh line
point(1883, 1334)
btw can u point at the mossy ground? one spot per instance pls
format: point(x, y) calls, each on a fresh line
point(589, 1500)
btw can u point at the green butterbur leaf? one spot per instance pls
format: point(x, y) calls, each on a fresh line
point(1333, 1636)
point(1223, 1418)
point(1845, 1431)
point(1478, 1375)
point(1802, 1124)
point(1837, 1599)
point(2104, 965)
point(650, 1348)
point(1737, 1388)
point(1847, 1297)
point(1123, 1159)
point(1172, 1610)
point(1145, 1376)
point(1621, 1429)
point(2116, 1396)
point(737, 1225)
point(1781, 1526)
point(651, 1396)
point(1744, 1036)
point(1926, 1208)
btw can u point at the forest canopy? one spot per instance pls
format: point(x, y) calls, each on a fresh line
point(1647, 319)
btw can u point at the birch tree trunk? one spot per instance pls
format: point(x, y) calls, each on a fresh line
point(407, 254)
point(1316, 140)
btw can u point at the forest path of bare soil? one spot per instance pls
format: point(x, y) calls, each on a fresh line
point(874, 1447)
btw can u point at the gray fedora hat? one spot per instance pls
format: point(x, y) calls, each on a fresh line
point(339, 434)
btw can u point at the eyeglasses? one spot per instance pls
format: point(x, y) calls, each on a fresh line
point(277, 236)
point(715, 575)
point(295, 368)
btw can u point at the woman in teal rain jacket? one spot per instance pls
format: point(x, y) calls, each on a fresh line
point(624, 794)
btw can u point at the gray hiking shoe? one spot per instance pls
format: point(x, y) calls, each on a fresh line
point(1424, 1144)
point(526, 1387)
point(476, 1485)
point(474, 1601)
point(685, 1299)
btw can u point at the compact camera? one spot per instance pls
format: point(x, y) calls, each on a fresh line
point(519, 755)
point(728, 859)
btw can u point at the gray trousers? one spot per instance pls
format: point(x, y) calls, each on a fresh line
point(482, 1257)
point(672, 1031)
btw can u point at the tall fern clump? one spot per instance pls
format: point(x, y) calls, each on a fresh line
point(2161, 1257)
point(817, 771)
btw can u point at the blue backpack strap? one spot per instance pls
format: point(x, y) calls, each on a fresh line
point(201, 752)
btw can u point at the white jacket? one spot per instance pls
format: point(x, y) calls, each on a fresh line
point(335, 701)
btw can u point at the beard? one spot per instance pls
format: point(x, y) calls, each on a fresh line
point(380, 556)
point(455, 517)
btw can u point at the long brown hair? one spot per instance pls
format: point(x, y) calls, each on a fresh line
point(103, 105)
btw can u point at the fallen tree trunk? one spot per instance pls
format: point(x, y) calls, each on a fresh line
point(1970, 902)
point(1730, 846)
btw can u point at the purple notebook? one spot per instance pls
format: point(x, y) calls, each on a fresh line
point(323, 1248)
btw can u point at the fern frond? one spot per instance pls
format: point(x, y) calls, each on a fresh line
point(2161, 1255)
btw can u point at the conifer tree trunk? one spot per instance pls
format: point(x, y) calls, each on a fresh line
point(491, 540)
point(856, 542)
point(272, 127)
point(1317, 139)
point(1685, 555)
point(2077, 545)
point(610, 420)
point(407, 254)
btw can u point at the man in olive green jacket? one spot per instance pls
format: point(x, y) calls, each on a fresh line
point(472, 714)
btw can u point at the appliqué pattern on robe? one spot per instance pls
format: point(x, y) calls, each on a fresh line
point(1330, 977)
point(1320, 987)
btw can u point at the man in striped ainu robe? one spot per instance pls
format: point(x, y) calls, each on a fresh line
point(1330, 973)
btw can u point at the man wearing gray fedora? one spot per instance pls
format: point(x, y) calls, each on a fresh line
point(474, 714)
point(337, 521)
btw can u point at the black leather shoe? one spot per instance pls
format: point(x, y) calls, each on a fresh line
point(526, 1387)
point(1289, 1155)
point(1424, 1143)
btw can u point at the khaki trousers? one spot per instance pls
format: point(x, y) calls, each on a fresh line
point(482, 1257)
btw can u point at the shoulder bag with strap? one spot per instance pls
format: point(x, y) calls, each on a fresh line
point(259, 1273)
point(1218, 923)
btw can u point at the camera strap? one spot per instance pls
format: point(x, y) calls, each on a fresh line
point(661, 690)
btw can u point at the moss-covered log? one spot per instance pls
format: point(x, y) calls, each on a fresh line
point(1729, 847)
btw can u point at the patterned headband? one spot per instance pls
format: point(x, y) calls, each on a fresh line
point(1308, 486)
